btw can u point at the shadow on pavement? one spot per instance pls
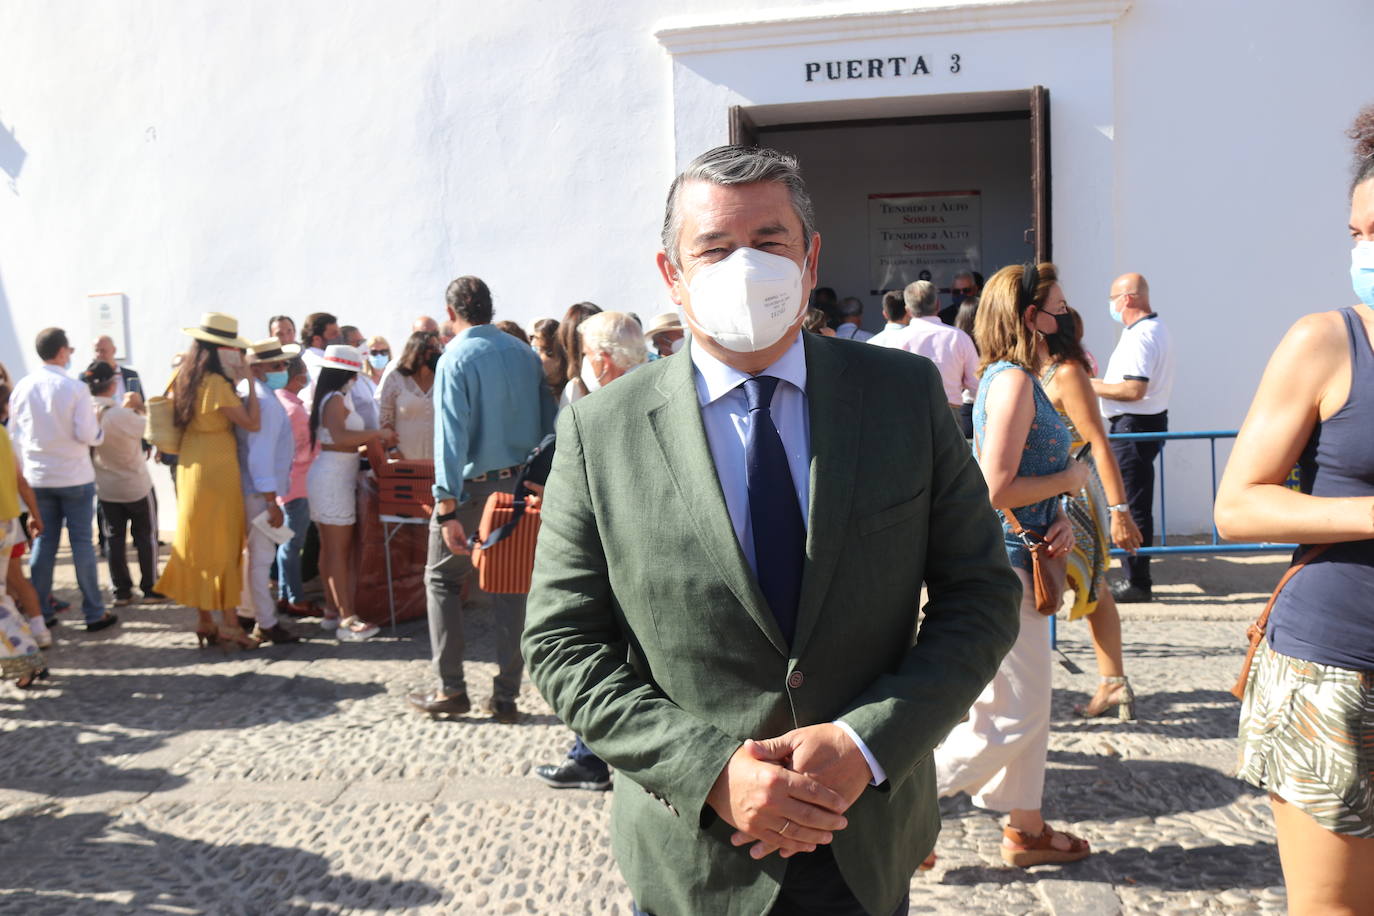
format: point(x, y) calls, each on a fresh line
point(1086, 787)
point(136, 869)
point(1177, 714)
point(1170, 868)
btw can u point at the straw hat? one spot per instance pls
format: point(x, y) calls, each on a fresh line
point(339, 356)
point(219, 328)
point(271, 350)
point(667, 321)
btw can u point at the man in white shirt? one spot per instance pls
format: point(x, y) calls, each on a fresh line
point(950, 349)
point(895, 313)
point(1135, 399)
point(321, 330)
point(265, 471)
point(851, 316)
point(123, 484)
point(364, 394)
point(53, 423)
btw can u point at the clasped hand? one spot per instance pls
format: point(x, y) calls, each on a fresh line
point(789, 793)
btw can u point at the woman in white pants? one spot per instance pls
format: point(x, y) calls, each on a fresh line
point(998, 754)
point(331, 484)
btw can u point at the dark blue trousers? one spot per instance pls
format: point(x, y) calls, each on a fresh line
point(1137, 461)
point(813, 886)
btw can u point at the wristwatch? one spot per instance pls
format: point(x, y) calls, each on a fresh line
point(446, 517)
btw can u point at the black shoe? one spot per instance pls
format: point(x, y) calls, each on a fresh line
point(51, 622)
point(246, 624)
point(437, 703)
point(276, 634)
point(108, 620)
point(503, 711)
point(573, 774)
point(1128, 593)
point(152, 597)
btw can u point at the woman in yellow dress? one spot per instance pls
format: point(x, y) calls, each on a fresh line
point(205, 570)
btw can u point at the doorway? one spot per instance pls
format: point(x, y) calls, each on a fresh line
point(922, 188)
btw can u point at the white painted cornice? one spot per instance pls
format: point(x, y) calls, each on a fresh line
point(836, 22)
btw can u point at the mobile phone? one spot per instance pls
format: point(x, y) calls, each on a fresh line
point(1084, 452)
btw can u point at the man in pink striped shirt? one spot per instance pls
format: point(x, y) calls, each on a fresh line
point(950, 349)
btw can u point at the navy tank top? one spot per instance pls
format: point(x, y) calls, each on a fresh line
point(1326, 613)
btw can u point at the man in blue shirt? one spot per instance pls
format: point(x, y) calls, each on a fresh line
point(491, 408)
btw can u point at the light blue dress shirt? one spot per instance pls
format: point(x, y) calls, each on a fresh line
point(265, 456)
point(491, 407)
point(725, 414)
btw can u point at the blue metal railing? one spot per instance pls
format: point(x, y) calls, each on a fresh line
point(1216, 546)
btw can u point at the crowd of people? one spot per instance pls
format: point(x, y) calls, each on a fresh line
point(707, 530)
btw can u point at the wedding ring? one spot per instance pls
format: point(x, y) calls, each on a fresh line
point(782, 831)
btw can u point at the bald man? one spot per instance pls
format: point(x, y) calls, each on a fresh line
point(126, 379)
point(1135, 399)
point(424, 323)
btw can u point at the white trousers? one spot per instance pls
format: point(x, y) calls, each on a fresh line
point(262, 553)
point(998, 755)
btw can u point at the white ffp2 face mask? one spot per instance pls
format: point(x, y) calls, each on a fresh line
point(747, 301)
point(588, 375)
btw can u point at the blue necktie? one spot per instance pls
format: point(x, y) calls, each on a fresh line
point(774, 513)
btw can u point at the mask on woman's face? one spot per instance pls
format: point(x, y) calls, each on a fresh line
point(276, 381)
point(432, 361)
point(378, 360)
point(230, 359)
point(1064, 325)
point(1362, 271)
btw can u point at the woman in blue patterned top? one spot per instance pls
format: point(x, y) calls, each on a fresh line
point(998, 754)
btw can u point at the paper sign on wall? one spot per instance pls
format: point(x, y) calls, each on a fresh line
point(923, 235)
point(107, 318)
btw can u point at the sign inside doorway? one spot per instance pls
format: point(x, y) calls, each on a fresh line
point(923, 235)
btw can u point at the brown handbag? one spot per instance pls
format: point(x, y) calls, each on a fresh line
point(503, 548)
point(1050, 574)
point(1255, 631)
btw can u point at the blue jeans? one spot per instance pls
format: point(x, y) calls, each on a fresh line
point(289, 554)
point(75, 505)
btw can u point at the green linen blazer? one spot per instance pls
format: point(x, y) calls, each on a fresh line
point(648, 634)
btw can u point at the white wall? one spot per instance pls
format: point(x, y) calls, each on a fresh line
point(260, 157)
point(845, 165)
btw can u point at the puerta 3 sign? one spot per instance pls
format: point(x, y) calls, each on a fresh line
point(875, 68)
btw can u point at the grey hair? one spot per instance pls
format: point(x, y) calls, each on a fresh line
point(615, 333)
point(735, 165)
point(920, 298)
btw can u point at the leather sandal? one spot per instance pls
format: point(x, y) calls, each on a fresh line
point(1023, 851)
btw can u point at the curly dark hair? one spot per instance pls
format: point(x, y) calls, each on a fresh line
point(470, 299)
point(416, 354)
point(1362, 132)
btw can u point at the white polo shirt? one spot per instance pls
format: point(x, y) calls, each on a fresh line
point(1144, 353)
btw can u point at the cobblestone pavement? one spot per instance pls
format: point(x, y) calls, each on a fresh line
point(153, 777)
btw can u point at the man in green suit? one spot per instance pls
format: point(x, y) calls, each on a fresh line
point(728, 577)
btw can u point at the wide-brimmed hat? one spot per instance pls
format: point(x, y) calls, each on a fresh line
point(341, 356)
point(219, 328)
point(668, 321)
point(272, 350)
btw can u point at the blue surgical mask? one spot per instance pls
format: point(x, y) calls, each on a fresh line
point(1362, 271)
point(378, 360)
point(1111, 309)
point(276, 380)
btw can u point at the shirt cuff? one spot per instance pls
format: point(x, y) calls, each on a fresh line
point(879, 774)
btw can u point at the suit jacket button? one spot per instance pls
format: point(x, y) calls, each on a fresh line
point(796, 679)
